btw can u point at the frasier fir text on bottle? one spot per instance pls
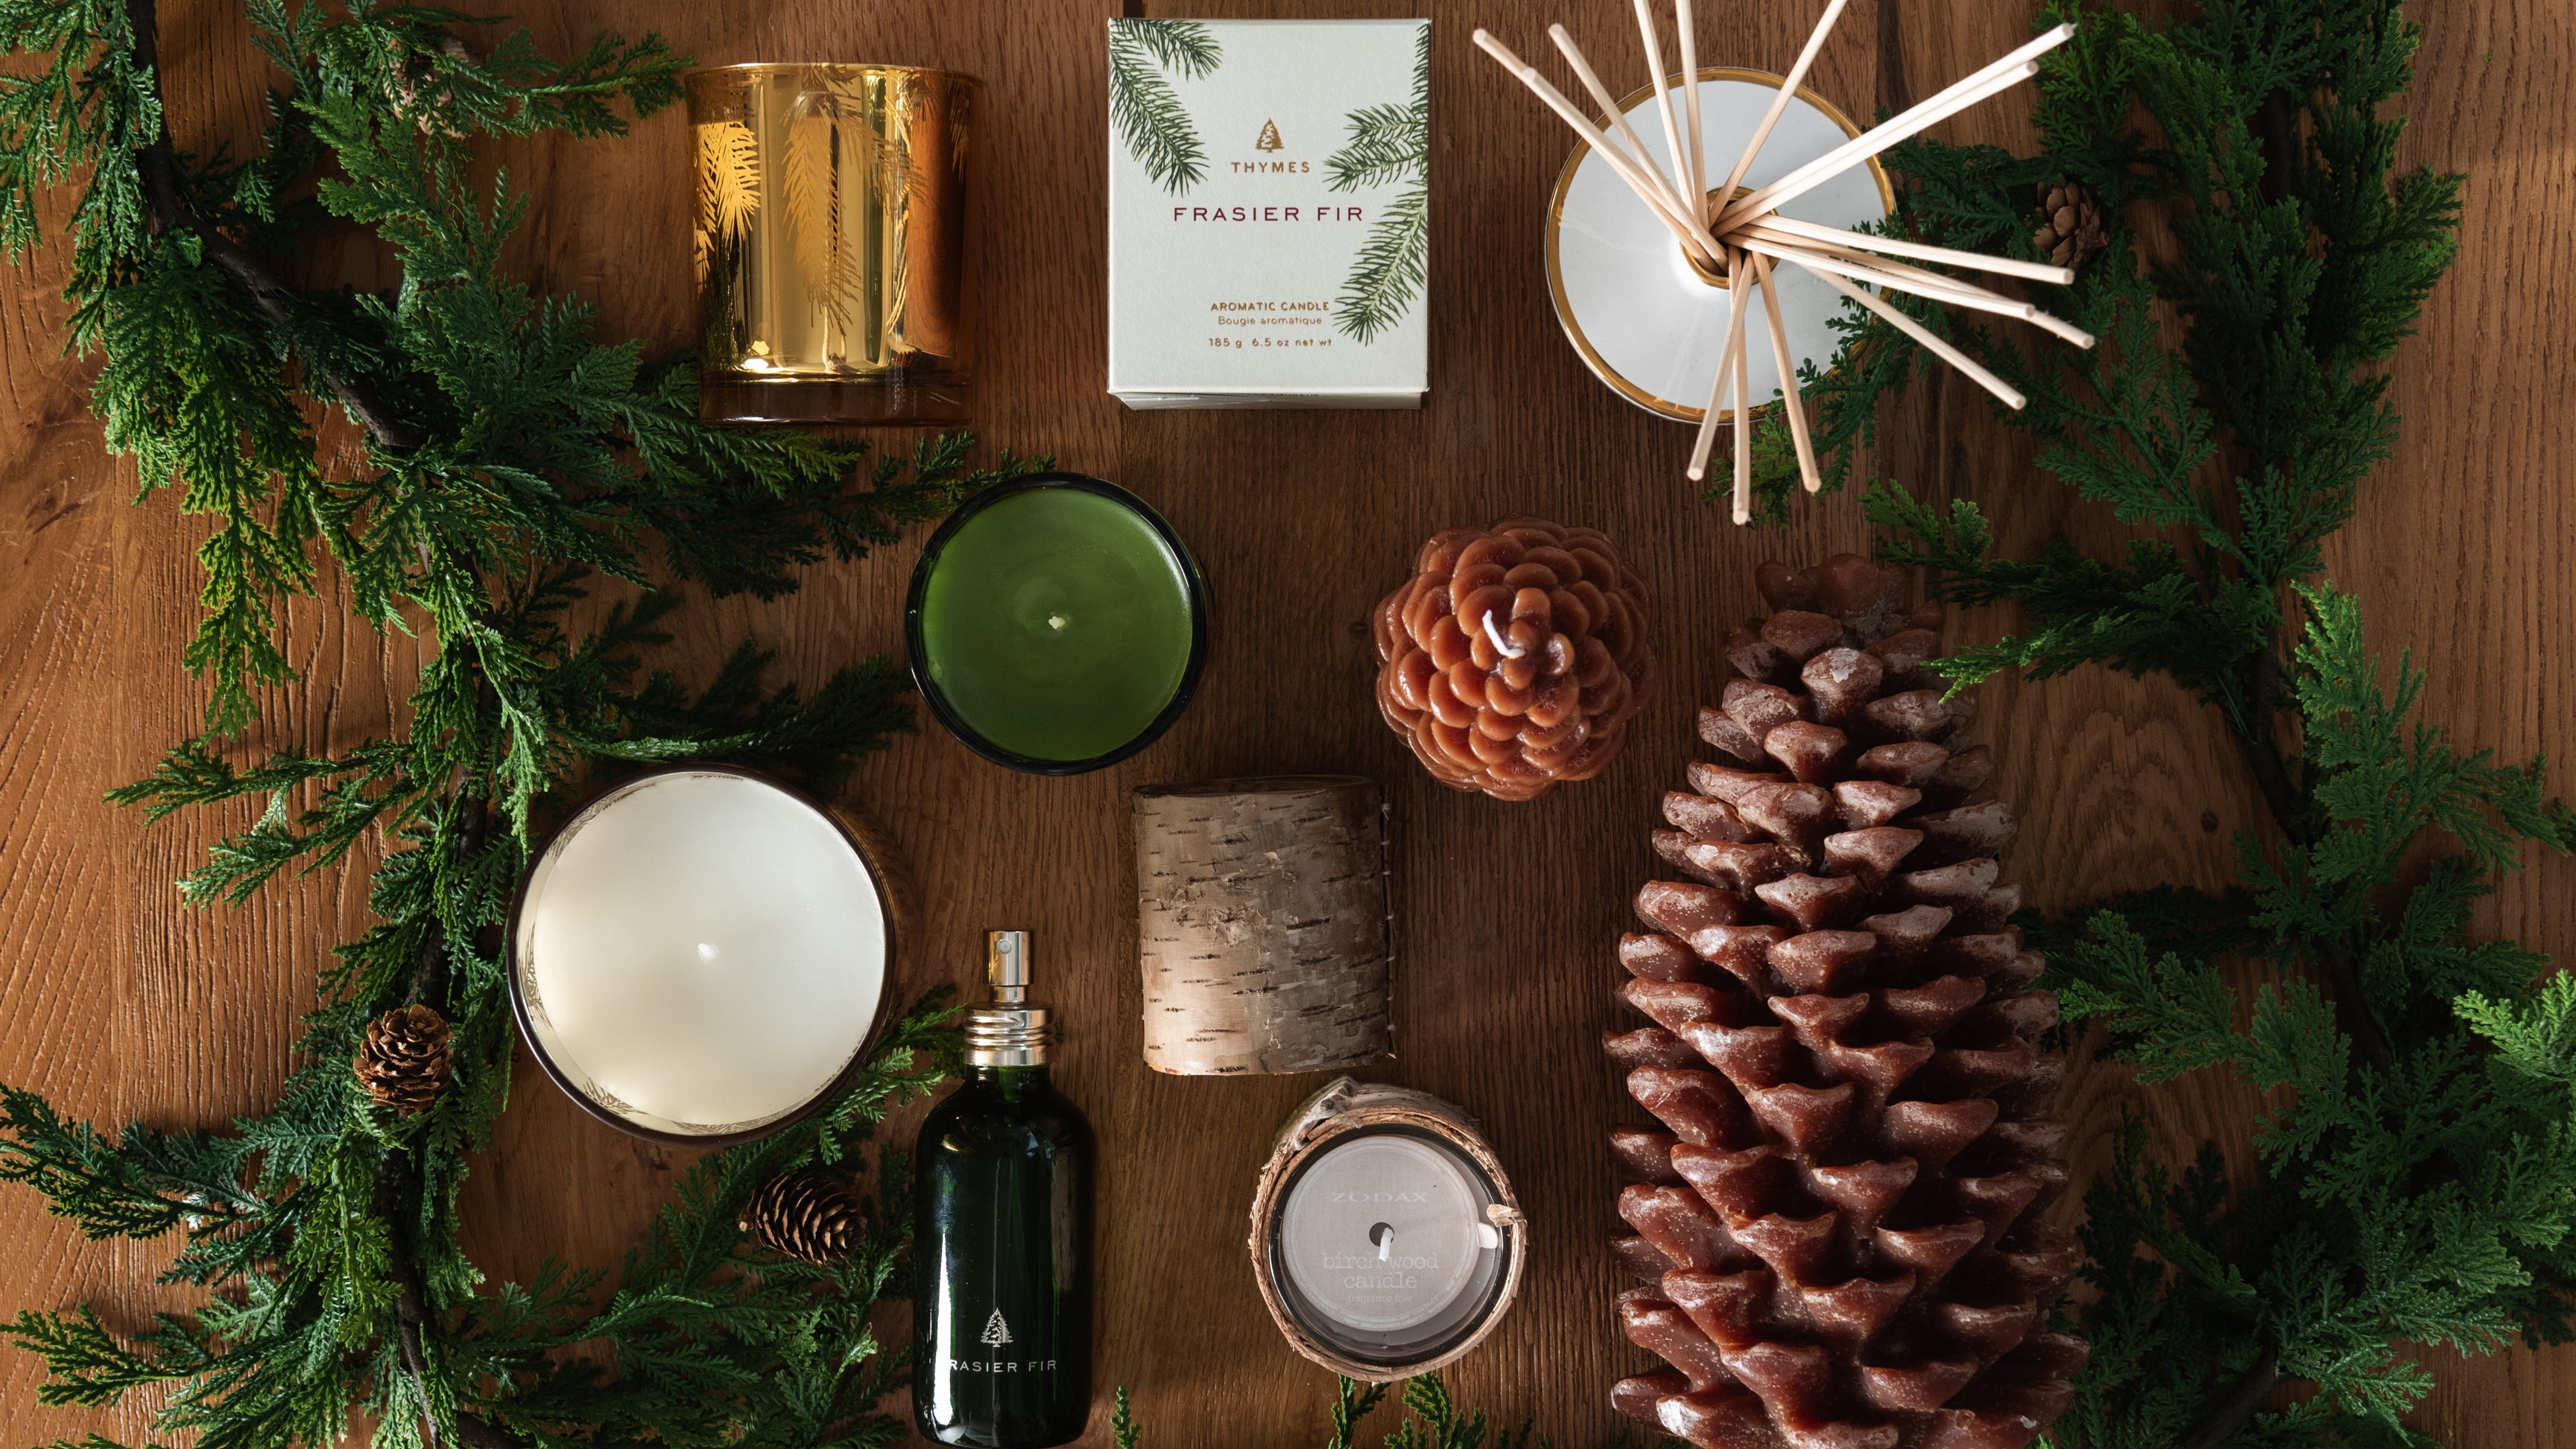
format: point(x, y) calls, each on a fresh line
point(1001, 1303)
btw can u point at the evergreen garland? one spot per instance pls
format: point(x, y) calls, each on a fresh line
point(2416, 1183)
point(512, 461)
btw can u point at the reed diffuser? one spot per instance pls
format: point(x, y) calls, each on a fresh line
point(1731, 235)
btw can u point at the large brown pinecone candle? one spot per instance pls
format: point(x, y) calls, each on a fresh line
point(1838, 1221)
point(1514, 657)
point(808, 1215)
point(402, 1061)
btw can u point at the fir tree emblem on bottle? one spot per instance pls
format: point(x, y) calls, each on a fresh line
point(1269, 138)
point(996, 1331)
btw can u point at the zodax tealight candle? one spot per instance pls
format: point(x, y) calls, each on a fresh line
point(1385, 1237)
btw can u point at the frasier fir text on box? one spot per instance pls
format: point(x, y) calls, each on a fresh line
point(1269, 212)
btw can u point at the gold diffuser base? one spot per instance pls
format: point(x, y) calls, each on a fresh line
point(813, 401)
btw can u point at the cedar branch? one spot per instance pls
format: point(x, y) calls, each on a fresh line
point(411, 1306)
point(2254, 739)
point(159, 165)
point(2230, 1410)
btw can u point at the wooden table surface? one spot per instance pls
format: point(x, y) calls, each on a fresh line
point(121, 1003)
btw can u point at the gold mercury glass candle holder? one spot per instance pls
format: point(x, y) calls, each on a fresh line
point(831, 243)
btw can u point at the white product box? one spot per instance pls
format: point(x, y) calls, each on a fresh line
point(1269, 213)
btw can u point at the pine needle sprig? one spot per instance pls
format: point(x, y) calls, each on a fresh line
point(1388, 144)
point(1389, 270)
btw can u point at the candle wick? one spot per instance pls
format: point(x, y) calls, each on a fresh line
point(1385, 1236)
point(1502, 646)
point(1055, 621)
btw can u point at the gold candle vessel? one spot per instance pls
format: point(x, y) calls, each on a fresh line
point(831, 243)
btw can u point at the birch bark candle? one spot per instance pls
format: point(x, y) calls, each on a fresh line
point(1057, 624)
point(1385, 1238)
point(1261, 928)
point(700, 954)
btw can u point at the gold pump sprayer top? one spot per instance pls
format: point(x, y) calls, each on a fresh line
point(1010, 1032)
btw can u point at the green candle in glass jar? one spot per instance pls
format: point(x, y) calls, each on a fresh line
point(1056, 624)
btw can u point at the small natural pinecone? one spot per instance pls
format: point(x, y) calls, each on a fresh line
point(412, 98)
point(403, 1061)
point(806, 1215)
point(2070, 225)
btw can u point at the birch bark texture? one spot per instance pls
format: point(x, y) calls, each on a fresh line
point(1262, 931)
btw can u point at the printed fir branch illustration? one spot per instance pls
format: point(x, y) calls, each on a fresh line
point(1388, 144)
point(1152, 123)
point(2415, 1184)
point(837, 143)
point(511, 460)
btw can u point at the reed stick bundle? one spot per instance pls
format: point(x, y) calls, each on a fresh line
point(1733, 239)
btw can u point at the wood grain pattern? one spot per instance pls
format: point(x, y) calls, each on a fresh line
point(120, 1003)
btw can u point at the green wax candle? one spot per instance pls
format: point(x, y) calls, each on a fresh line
point(1056, 623)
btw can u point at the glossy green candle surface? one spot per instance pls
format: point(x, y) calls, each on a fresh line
point(1056, 624)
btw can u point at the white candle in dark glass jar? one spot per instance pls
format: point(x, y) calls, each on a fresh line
point(699, 953)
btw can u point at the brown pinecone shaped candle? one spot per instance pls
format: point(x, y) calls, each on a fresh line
point(1515, 656)
point(1839, 1219)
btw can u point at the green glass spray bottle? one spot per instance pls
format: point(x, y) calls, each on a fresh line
point(1001, 1302)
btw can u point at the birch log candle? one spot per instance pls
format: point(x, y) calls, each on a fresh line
point(700, 955)
point(1385, 1238)
point(1262, 924)
point(1057, 624)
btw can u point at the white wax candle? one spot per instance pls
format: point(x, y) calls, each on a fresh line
point(1385, 1236)
point(705, 950)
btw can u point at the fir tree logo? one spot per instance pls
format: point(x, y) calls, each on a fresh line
point(1269, 138)
point(996, 1332)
